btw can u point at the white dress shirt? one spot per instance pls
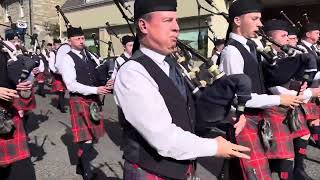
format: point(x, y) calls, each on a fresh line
point(138, 95)
point(232, 62)
point(215, 57)
point(68, 72)
point(119, 61)
point(41, 66)
point(51, 60)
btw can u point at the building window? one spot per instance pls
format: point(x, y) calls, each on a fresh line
point(197, 41)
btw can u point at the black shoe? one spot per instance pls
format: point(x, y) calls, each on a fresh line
point(93, 177)
point(300, 174)
point(62, 109)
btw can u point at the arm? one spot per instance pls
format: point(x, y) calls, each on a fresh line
point(156, 123)
point(231, 61)
point(69, 76)
point(118, 61)
point(51, 60)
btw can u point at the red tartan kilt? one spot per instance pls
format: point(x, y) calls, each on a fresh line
point(14, 147)
point(282, 147)
point(57, 84)
point(40, 77)
point(312, 113)
point(249, 137)
point(83, 128)
point(25, 104)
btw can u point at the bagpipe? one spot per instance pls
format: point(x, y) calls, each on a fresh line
point(212, 95)
point(19, 67)
point(294, 68)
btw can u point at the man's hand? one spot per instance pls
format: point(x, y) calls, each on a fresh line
point(35, 70)
point(103, 90)
point(7, 94)
point(24, 86)
point(290, 100)
point(110, 84)
point(303, 87)
point(227, 149)
point(315, 92)
point(240, 124)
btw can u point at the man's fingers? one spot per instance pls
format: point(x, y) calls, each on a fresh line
point(240, 148)
point(240, 155)
point(5, 97)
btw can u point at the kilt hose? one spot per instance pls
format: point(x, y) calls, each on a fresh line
point(282, 146)
point(83, 128)
point(13, 146)
point(249, 137)
point(57, 84)
point(311, 113)
point(40, 77)
point(25, 104)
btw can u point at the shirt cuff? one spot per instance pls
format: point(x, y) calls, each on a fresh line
point(274, 100)
point(93, 90)
point(207, 147)
point(307, 94)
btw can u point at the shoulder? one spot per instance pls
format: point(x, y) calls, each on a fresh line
point(230, 51)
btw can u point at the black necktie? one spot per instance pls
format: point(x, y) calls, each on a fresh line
point(313, 49)
point(175, 76)
point(84, 56)
point(252, 47)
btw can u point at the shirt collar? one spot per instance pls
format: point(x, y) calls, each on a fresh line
point(126, 54)
point(238, 38)
point(76, 51)
point(306, 43)
point(158, 58)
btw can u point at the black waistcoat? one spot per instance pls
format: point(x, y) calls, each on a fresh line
point(86, 72)
point(136, 149)
point(311, 52)
point(252, 68)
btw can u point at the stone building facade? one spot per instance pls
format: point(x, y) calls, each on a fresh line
point(40, 16)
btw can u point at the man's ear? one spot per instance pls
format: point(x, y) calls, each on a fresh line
point(142, 24)
point(308, 34)
point(237, 21)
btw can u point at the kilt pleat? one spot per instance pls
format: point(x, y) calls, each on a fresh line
point(25, 104)
point(83, 128)
point(249, 137)
point(282, 147)
point(13, 146)
point(57, 84)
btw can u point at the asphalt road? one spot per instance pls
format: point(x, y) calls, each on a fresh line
point(53, 153)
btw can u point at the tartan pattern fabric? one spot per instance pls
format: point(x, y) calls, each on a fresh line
point(25, 104)
point(249, 137)
point(133, 172)
point(40, 77)
point(311, 113)
point(13, 146)
point(57, 84)
point(83, 128)
point(282, 146)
